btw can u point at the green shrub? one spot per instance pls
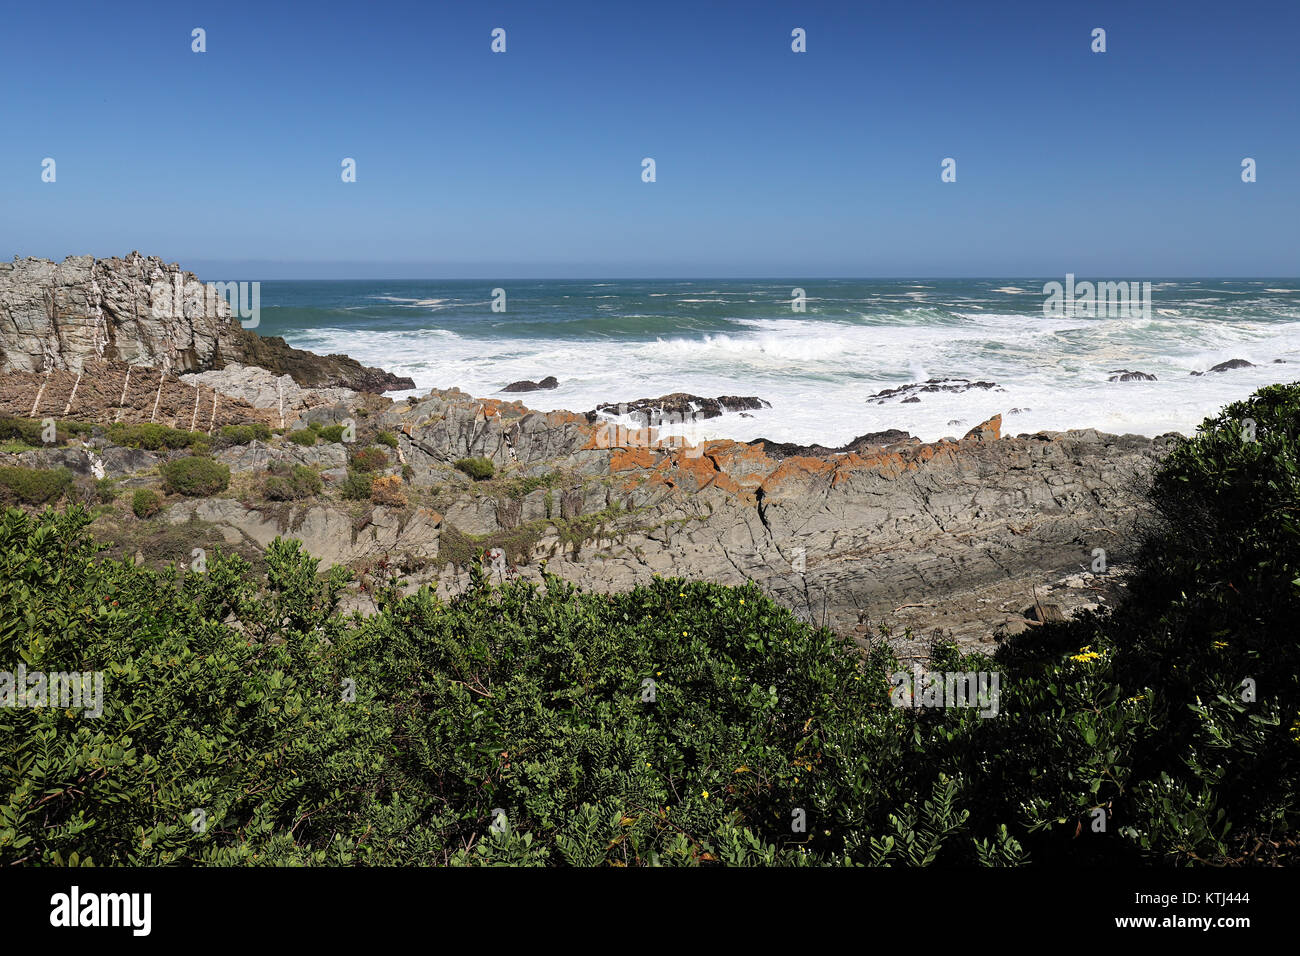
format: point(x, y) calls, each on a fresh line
point(357, 486)
point(146, 503)
point(33, 486)
point(331, 433)
point(292, 484)
point(370, 459)
point(387, 438)
point(195, 477)
point(243, 434)
point(152, 436)
point(305, 437)
point(106, 490)
point(476, 468)
point(25, 433)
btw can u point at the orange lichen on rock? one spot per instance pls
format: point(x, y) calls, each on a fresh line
point(630, 458)
point(990, 430)
point(611, 435)
point(561, 417)
point(796, 468)
point(705, 473)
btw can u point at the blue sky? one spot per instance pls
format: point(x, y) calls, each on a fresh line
point(769, 163)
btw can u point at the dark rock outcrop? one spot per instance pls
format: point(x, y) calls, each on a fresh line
point(1124, 375)
point(528, 386)
point(862, 443)
point(680, 406)
point(1227, 366)
point(309, 369)
point(912, 392)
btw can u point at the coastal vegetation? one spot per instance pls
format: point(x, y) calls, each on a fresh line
point(479, 469)
point(247, 721)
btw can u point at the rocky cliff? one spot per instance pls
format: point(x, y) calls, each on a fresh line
point(143, 311)
point(956, 535)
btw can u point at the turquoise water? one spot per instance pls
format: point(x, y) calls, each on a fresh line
point(608, 341)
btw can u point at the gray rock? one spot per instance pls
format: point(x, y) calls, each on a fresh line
point(143, 311)
point(1043, 613)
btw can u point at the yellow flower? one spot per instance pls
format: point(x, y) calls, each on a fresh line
point(742, 600)
point(683, 633)
point(1219, 645)
point(705, 794)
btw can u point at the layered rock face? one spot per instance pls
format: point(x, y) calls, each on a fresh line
point(843, 537)
point(138, 310)
point(143, 311)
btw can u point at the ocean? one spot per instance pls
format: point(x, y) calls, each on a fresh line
point(612, 341)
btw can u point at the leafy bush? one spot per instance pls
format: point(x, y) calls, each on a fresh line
point(26, 431)
point(244, 434)
point(476, 468)
point(195, 477)
point(152, 436)
point(33, 486)
point(331, 433)
point(106, 490)
point(387, 438)
point(674, 724)
point(370, 459)
point(31, 432)
point(305, 437)
point(357, 486)
point(146, 502)
point(292, 484)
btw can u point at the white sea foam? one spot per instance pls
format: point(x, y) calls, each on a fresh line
point(818, 374)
